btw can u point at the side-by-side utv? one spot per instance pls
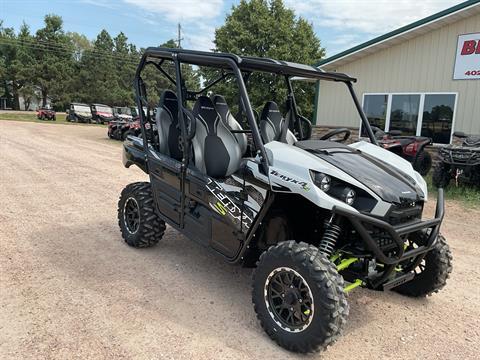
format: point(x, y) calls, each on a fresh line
point(78, 112)
point(316, 218)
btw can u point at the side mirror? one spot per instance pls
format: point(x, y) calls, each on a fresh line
point(460, 134)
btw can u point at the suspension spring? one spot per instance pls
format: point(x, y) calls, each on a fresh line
point(329, 239)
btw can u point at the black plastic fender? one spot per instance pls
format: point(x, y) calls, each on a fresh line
point(134, 154)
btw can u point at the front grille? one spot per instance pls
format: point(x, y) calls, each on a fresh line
point(405, 212)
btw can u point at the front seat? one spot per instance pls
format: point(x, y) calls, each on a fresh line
point(271, 123)
point(224, 111)
point(167, 125)
point(216, 151)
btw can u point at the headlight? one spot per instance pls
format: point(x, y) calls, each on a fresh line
point(341, 190)
point(349, 196)
point(322, 181)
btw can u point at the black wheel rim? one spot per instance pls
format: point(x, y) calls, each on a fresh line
point(131, 215)
point(289, 299)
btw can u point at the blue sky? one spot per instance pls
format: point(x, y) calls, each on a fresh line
point(340, 24)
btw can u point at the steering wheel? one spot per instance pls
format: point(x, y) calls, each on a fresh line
point(335, 132)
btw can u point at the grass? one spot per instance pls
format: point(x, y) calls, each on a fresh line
point(32, 117)
point(468, 196)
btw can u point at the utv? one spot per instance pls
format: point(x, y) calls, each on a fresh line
point(459, 162)
point(119, 129)
point(101, 114)
point(123, 113)
point(308, 214)
point(46, 113)
point(411, 148)
point(79, 113)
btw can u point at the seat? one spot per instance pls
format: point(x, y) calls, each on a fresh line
point(271, 123)
point(216, 151)
point(168, 127)
point(224, 111)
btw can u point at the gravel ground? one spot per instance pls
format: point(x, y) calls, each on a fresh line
point(70, 288)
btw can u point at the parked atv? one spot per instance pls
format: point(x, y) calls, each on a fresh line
point(102, 114)
point(79, 113)
point(411, 148)
point(46, 113)
point(459, 162)
point(119, 129)
point(310, 215)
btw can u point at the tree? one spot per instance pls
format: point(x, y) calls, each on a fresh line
point(53, 59)
point(269, 29)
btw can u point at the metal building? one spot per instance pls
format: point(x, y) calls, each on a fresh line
point(422, 79)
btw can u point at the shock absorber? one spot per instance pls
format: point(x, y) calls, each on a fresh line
point(330, 236)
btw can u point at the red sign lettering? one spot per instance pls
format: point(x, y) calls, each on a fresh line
point(469, 47)
point(478, 48)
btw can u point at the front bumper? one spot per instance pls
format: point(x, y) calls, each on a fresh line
point(398, 233)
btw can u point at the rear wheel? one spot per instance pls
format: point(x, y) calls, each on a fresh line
point(125, 134)
point(139, 223)
point(423, 163)
point(431, 274)
point(298, 297)
point(441, 175)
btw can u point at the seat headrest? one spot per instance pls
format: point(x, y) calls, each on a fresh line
point(271, 111)
point(221, 106)
point(205, 108)
point(168, 100)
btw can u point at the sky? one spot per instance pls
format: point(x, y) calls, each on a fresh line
point(340, 24)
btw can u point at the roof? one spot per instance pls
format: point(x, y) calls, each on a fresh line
point(435, 21)
point(244, 63)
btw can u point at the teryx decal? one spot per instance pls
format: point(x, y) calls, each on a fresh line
point(225, 206)
point(303, 184)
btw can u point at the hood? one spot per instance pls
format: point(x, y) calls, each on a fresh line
point(104, 114)
point(387, 181)
point(83, 114)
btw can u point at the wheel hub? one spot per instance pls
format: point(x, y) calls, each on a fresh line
point(289, 299)
point(131, 215)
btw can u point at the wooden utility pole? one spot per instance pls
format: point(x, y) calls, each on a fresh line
point(179, 37)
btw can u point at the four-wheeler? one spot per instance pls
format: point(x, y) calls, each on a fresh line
point(101, 114)
point(309, 215)
point(79, 113)
point(46, 113)
point(119, 129)
point(411, 148)
point(459, 162)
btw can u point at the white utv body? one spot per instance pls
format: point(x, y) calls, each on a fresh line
point(316, 218)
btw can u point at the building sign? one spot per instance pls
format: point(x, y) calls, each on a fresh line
point(467, 61)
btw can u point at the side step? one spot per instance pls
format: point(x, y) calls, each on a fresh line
point(399, 280)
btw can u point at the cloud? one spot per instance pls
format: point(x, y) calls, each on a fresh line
point(181, 10)
point(371, 16)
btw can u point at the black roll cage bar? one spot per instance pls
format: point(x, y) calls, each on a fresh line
point(235, 65)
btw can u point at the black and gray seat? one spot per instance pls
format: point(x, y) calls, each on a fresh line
point(167, 125)
point(216, 151)
point(224, 111)
point(271, 124)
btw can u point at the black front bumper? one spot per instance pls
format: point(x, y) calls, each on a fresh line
point(398, 233)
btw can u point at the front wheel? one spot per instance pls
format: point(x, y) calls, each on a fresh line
point(139, 223)
point(423, 163)
point(441, 175)
point(432, 273)
point(298, 297)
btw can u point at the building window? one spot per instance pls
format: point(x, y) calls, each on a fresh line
point(375, 107)
point(404, 113)
point(438, 117)
point(420, 114)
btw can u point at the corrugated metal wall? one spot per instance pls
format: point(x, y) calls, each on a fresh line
point(421, 64)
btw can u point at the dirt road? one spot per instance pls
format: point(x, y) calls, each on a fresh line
point(70, 288)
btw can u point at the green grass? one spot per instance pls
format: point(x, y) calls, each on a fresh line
point(32, 117)
point(468, 196)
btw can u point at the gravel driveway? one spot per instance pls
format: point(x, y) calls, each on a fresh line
point(70, 288)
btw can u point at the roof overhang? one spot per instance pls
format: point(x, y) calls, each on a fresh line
point(433, 22)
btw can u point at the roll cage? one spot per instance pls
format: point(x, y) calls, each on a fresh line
point(240, 68)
